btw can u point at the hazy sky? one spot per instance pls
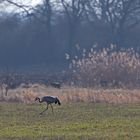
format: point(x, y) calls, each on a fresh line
point(10, 7)
point(32, 2)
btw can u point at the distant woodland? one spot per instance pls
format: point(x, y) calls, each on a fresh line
point(45, 33)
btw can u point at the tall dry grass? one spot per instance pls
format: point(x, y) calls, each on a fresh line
point(73, 94)
point(120, 68)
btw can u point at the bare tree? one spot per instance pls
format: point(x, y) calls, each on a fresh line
point(73, 9)
point(120, 15)
point(7, 81)
point(42, 13)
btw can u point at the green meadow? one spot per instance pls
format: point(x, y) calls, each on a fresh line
point(70, 121)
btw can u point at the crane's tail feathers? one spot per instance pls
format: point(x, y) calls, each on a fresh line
point(57, 101)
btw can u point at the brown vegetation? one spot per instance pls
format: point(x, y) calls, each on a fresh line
point(107, 68)
point(72, 94)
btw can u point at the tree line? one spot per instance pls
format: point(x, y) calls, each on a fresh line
point(44, 33)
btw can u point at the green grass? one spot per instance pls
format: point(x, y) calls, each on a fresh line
point(71, 121)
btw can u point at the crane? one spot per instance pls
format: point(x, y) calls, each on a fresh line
point(49, 100)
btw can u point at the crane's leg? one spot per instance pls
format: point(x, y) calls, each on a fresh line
point(44, 110)
point(52, 108)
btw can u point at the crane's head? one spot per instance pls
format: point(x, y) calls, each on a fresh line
point(37, 99)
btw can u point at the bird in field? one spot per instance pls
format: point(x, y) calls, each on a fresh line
point(49, 100)
point(55, 85)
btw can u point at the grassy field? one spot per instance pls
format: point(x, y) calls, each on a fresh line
point(71, 121)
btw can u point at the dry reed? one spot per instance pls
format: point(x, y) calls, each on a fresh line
point(118, 68)
point(73, 94)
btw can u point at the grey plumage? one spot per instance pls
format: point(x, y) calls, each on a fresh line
point(49, 100)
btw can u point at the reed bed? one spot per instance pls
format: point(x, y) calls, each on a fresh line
point(74, 94)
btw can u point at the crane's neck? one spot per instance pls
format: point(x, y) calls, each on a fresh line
point(39, 100)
